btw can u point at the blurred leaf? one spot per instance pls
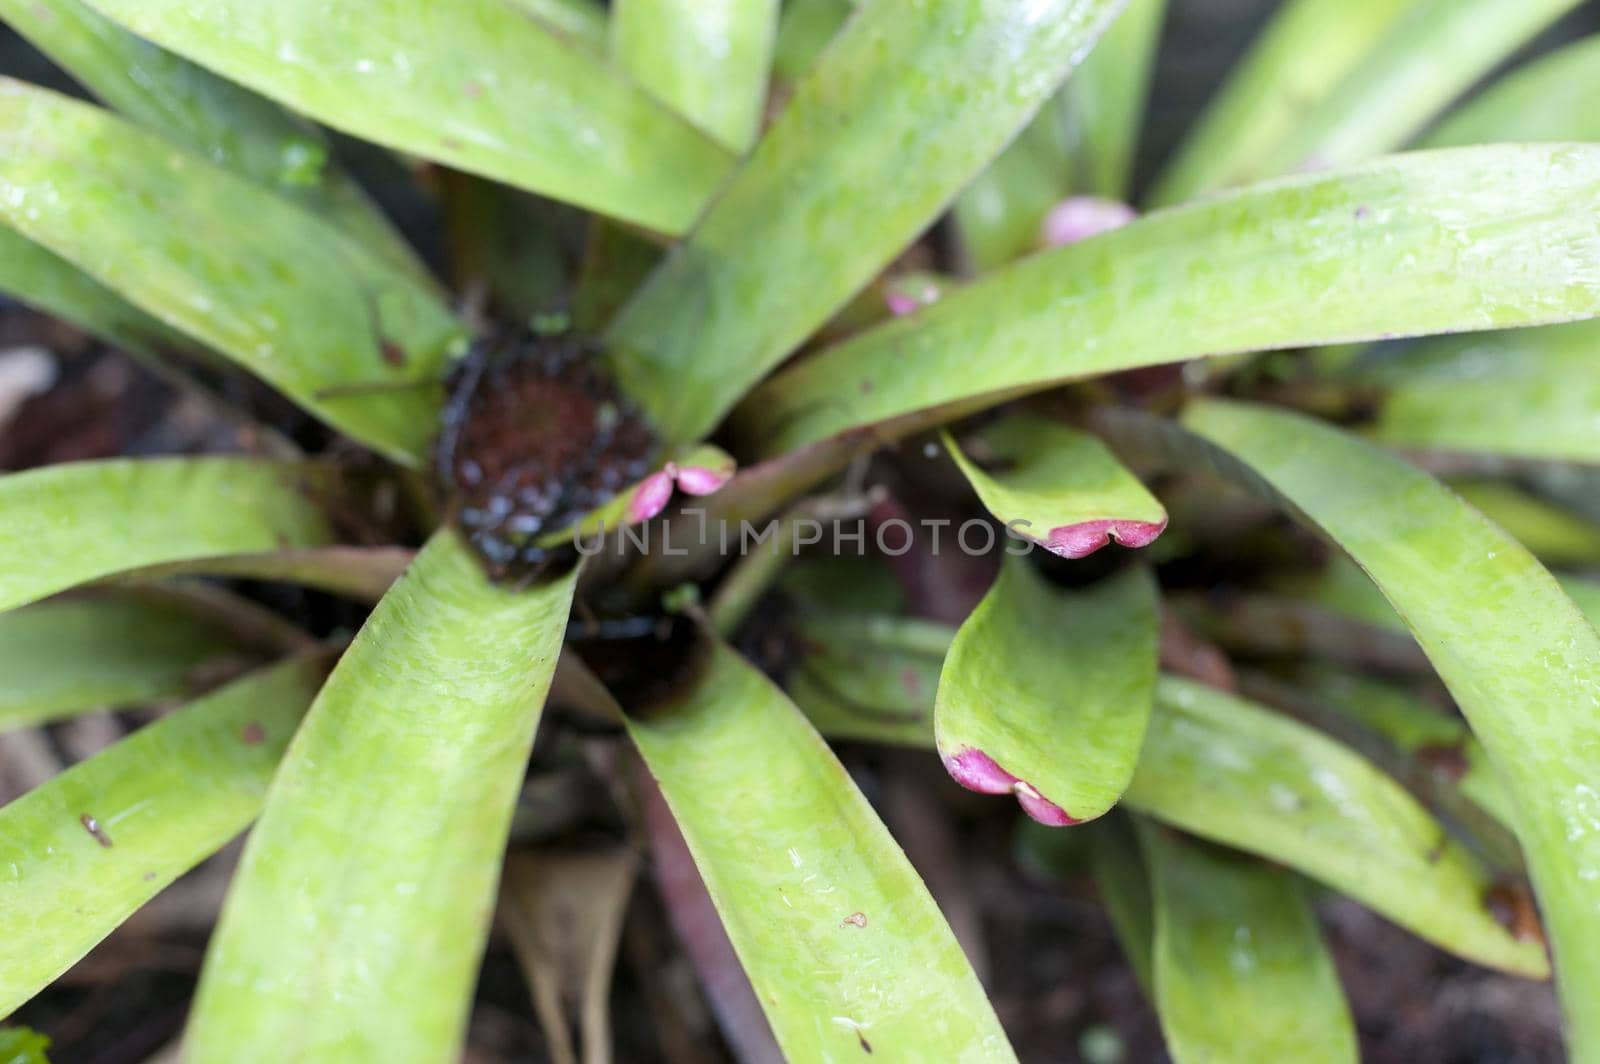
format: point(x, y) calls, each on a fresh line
point(217, 119)
point(21, 1045)
point(1046, 693)
point(504, 244)
point(1556, 535)
point(869, 676)
point(804, 29)
point(1124, 886)
point(1527, 393)
point(1521, 660)
point(93, 844)
point(1306, 51)
point(1490, 237)
point(1547, 99)
point(1057, 487)
point(1401, 84)
point(564, 913)
point(250, 274)
point(70, 524)
point(356, 922)
point(1241, 972)
point(827, 198)
point(583, 21)
point(359, 572)
point(103, 651)
point(708, 59)
point(475, 84)
point(841, 940)
point(1232, 772)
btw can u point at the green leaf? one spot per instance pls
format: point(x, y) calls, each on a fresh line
point(583, 21)
point(1105, 100)
point(217, 119)
point(21, 1045)
point(869, 676)
point(1553, 533)
point(359, 572)
point(93, 844)
point(1521, 660)
point(1124, 887)
point(804, 29)
point(1548, 99)
point(70, 524)
point(476, 84)
point(1402, 84)
point(1045, 694)
point(1528, 393)
point(100, 651)
point(827, 198)
point(1241, 972)
point(250, 274)
point(707, 58)
point(1306, 51)
point(1058, 487)
point(845, 948)
point(1234, 773)
point(355, 925)
point(1489, 237)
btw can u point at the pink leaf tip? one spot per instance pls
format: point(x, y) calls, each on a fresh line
point(655, 491)
point(977, 771)
point(1081, 217)
point(1086, 537)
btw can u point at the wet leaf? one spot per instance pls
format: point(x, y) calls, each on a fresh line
point(476, 84)
point(93, 844)
point(101, 651)
point(841, 940)
point(356, 922)
point(1057, 486)
point(251, 275)
point(55, 536)
point(1492, 238)
point(1241, 972)
point(707, 58)
point(826, 198)
point(1521, 660)
point(1045, 694)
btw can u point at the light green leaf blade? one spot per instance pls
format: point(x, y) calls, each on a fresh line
point(1548, 99)
point(1305, 52)
point(1045, 694)
point(358, 572)
point(804, 29)
point(1428, 57)
point(1105, 100)
point(216, 118)
point(100, 651)
point(1241, 971)
point(841, 940)
point(583, 21)
point(70, 524)
point(476, 84)
point(1521, 660)
point(1552, 532)
point(828, 198)
point(708, 59)
point(1229, 771)
point(1527, 393)
point(1490, 237)
point(357, 920)
point(253, 276)
point(1058, 487)
point(86, 849)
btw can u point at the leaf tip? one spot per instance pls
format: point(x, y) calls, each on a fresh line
point(977, 771)
point(1086, 537)
point(1081, 217)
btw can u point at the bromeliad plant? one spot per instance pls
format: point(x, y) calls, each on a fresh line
point(752, 173)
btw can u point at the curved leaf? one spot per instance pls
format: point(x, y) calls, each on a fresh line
point(475, 84)
point(1058, 487)
point(100, 651)
point(1527, 393)
point(707, 58)
point(1241, 972)
point(83, 851)
point(1229, 771)
point(845, 947)
point(359, 572)
point(250, 274)
point(70, 524)
point(1045, 694)
point(356, 922)
point(1548, 99)
point(216, 118)
point(881, 133)
point(1521, 660)
point(1490, 237)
